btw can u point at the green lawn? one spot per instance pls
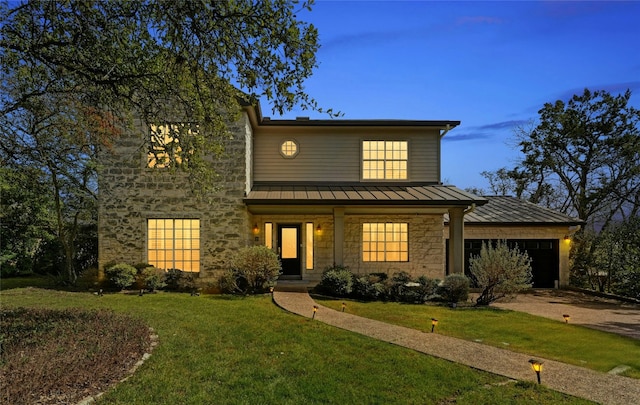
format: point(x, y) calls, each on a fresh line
point(510, 330)
point(227, 350)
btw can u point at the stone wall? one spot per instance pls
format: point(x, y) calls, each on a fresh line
point(130, 193)
point(426, 246)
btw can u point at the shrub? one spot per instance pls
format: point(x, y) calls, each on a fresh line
point(455, 288)
point(337, 281)
point(369, 287)
point(253, 270)
point(403, 288)
point(500, 272)
point(152, 278)
point(173, 278)
point(430, 288)
point(121, 274)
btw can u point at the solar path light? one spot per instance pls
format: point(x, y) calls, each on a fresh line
point(536, 366)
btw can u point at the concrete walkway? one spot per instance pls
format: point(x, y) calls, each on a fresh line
point(572, 380)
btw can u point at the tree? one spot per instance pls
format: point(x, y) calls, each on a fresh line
point(76, 73)
point(24, 225)
point(613, 263)
point(583, 158)
point(500, 272)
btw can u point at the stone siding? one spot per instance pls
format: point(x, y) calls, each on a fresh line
point(131, 193)
point(426, 246)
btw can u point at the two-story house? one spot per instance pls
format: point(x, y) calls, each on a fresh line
point(366, 194)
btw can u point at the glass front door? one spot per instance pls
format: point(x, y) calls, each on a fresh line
point(289, 248)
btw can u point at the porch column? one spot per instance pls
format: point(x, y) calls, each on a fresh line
point(456, 241)
point(338, 235)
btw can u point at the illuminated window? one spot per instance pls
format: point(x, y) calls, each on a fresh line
point(384, 160)
point(289, 148)
point(309, 246)
point(174, 244)
point(385, 242)
point(165, 149)
point(268, 235)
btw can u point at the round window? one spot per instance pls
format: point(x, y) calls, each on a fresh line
point(289, 148)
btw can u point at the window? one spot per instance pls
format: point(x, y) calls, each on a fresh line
point(268, 235)
point(165, 149)
point(309, 246)
point(385, 242)
point(384, 160)
point(289, 148)
point(174, 244)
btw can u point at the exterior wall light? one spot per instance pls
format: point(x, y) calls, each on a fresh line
point(318, 230)
point(566, 318)
point(536, 366)
point(434, 322)
point(256, 230)
point(567, 238)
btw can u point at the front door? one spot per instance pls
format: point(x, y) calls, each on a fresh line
point(289, 250)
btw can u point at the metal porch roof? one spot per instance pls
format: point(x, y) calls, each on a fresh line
point(507, 210)
point(361, 194)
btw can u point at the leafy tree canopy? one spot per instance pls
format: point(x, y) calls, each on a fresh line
point(583, 158)
point(75, 74)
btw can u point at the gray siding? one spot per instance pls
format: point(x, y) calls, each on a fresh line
point(333, 154)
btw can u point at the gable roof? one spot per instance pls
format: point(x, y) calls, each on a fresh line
point(361, 194)
point(507, 210)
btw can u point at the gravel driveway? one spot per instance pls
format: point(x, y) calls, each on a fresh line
point(594, 312)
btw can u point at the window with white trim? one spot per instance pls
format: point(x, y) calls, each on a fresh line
point(384, 160)
point(385, 242)
point(174, 244)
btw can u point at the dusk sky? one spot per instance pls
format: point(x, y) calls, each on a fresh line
point(491, 65)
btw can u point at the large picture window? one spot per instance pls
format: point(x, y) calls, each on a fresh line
point(174, 244)
point(385, 242)
point(384, 160)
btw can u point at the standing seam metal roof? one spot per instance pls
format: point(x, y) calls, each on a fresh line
point(361, 194)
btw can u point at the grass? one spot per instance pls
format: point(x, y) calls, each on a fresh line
point(510, 330)
point(227, 350)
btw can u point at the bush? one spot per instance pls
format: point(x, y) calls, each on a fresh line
point(172, 279)
point(253, 270)
point(121, 274)
point(500, 272)
point(152, 278)
point(337, 281)
point(454, 288)
point(369, 287)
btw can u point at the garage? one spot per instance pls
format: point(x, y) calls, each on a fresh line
point(543, 233)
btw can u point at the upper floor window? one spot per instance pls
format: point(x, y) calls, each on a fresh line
point(289, 148)
point(165, 146)
point(384, 160)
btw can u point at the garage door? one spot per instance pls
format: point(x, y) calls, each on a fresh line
point(544, 254)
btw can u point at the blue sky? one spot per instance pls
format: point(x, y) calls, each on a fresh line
point(491, 65)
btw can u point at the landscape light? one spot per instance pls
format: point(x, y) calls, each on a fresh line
point(434, 322)
point(343, 306)
point(536, 366)
point(566, 318)
point(315, 309)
